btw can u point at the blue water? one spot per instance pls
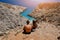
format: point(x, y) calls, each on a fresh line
point(26, 12)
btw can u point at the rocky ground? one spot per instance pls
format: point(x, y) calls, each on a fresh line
point(44, 31)
point(12, 21)
point(49, 12)
point(10, 17)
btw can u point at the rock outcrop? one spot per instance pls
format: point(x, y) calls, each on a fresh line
point(49, 12)
point(10, 16)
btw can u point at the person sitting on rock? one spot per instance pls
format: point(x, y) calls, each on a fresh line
point(27, 28)
point(34, 24)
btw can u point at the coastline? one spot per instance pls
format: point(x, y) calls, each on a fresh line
point(44, 30)
point(26, 12)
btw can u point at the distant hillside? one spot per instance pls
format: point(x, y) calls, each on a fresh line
point(49, 12)
point(14, 8)
point(10, 16)
point(48, 5)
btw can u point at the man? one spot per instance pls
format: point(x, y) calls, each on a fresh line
point(27, 28)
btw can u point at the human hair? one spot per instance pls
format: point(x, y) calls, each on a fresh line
point(34, 24)
point(34, 21)
point(27, 22)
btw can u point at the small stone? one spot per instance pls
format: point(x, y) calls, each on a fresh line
point(58, 38)
point(18, 25)
point(1, 33)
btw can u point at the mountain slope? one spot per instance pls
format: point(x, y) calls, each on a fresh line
point(10, 16)
point(49, 12)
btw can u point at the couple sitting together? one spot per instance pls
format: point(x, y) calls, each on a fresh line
point(28, 28)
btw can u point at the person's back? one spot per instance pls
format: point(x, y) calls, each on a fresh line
point(27, 28)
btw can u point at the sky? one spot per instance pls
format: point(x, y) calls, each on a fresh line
point(27, 3)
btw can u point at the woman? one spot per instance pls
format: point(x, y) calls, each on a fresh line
point(34, 24)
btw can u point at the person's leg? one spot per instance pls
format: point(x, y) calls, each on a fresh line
point(26, 32)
